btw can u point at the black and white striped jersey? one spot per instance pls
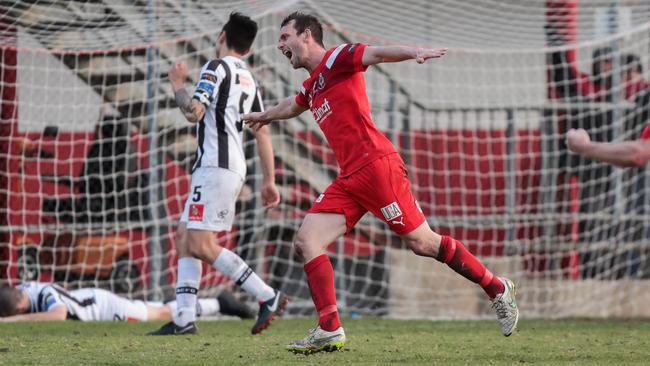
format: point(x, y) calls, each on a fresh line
point(81, 304)
point(228, 90)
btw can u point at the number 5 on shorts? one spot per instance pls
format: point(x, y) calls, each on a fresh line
point(196, 194)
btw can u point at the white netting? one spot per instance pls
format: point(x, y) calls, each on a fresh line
point(96, 156)
point(103, 25)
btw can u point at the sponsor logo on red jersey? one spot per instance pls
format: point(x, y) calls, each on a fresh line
point(196, 212)
point(322, 112)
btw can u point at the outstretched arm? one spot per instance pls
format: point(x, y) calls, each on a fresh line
point(623, 154)
point(287, 108)
point(270, 193)
point(378, 54)
point(58, 312)
point(192, 109)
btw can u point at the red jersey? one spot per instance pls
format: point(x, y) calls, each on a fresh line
point(645, 135)
point(336, 95)
point(633, 87)
point(587, 88)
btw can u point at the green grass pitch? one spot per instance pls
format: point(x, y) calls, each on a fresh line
point(371, 341)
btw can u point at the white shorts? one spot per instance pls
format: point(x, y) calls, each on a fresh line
point(121, 309)
point(107, 306)
point(211, 203)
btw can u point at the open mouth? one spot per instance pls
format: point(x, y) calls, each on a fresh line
point(287, 53)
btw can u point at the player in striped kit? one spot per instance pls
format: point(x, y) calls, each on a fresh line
point(35, 301)
point(226, 90)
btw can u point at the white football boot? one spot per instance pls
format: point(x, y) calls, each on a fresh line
point(319, 340)
point(506, 308)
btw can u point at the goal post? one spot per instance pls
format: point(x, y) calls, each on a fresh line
point(96, 157)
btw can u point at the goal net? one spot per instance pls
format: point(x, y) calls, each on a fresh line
point(96, 157)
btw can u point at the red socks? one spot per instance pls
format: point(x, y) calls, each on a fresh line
point(320, 276)
point(453, 253)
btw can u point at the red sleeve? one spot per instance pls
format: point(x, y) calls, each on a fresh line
point(348, 57)
point(358, 57)
point(301, 97)
point(645, 135)
point(585, 87)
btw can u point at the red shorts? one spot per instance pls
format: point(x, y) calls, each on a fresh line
point(381, 187)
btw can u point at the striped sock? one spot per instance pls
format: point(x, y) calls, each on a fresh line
point(187, 288)
point(231, 265)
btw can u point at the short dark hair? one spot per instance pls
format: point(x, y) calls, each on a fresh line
point(631, 62)
point(9, 299)
point(240, 32)
point(306, 21)
point(603, 54)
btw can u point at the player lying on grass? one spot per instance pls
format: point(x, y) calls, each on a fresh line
point(623, 154)
point(34, 301)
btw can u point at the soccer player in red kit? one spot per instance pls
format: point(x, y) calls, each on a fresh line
point(372, 175)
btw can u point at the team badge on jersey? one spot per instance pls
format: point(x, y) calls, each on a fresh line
point(196, 212)
point(321, 81)
point(391, 211)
